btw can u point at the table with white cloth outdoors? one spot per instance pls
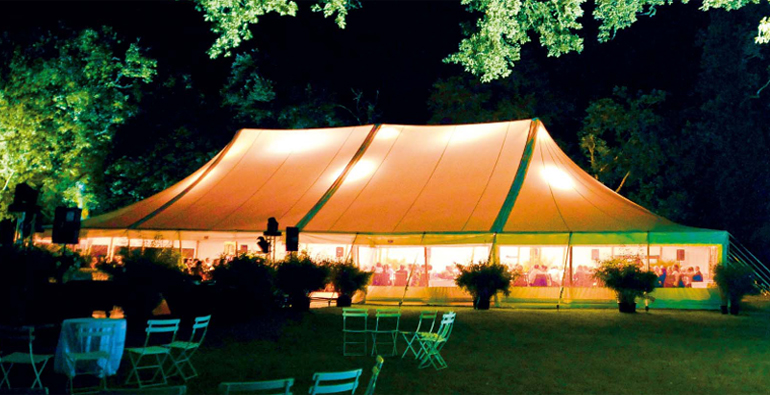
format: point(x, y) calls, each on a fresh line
point(68, 342)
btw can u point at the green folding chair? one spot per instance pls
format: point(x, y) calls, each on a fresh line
point(411, 337)
point(431, 344)
point(335, 382)
point(182, 351)
point(375, 373)
point(16, 349)
point(387, 324)
point(354, 330)
point(275, 387)
point(153, 356)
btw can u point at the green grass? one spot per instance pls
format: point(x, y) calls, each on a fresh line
point(513, 351)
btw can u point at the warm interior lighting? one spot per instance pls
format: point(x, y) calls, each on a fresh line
point(387, 133)
point(361, 170)
point(467, 134)
point(557, 178)
point(293, 142)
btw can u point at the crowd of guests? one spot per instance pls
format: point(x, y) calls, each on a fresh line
point(385, 275)
point(672, 276)
point(203, 268)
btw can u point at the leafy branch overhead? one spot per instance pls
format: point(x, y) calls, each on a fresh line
point(493, 46)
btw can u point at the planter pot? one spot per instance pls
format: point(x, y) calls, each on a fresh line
point(723, 308)
point(344, 301)
point(625, 307)
point(735, 308)
point(481, 303)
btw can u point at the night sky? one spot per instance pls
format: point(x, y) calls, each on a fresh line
point(393, 47)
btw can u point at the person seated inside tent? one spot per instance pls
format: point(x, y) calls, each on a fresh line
point(583, 277)
point(661, 272)
point(521, 278)
point(686, 278)
point(401, 275)
point(554, 274)
point(698, 276)
point(538, 277)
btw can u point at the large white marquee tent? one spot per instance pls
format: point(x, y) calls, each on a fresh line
point(429, 196)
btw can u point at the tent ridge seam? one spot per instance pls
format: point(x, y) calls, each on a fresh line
point(518, 179)
point(338, 182)
point(189, 187)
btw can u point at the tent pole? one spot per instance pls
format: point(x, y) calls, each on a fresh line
point(567, 259)
point(110, 254)
point(648, 251)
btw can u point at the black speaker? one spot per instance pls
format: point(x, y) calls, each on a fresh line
point(7, 231)
point(66, 225)
point(272, 227)
point(263, 244)
point(24, 199)
point(292, 238)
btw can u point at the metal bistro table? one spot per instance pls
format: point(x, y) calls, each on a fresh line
point(69, 343)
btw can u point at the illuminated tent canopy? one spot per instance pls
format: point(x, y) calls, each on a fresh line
point(493, 184)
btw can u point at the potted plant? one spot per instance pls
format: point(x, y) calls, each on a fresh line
point(734, 281)
point(297, 276)
point(250, 279)
point(348, 279)
point(483, 280)
point(628, 280)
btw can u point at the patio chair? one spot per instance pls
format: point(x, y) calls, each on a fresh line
point(153, 349)
point(387, 324)
point(185, 349)
point(171, 390)
point(91, 354)
point(16, 348)
point(354, 330)
point(335, 382)
point(411, 337)
point(375, 373)
point(272, 387)
point(432, 343)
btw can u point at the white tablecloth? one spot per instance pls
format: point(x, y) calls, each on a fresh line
point(68, 342)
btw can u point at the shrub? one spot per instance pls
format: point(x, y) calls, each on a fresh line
point(145, 276)
point(483, 280)
point(248, 283)
point(298, 276)
point(24, 285)
point(735, 281)
point(627, 279)
point(348, 279)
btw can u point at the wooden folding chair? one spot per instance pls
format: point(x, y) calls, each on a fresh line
point(185, 349)
point(16, 348)
point(354, 330)
point(257, 387)
point(432, 343)
point(411, 337)
point(375, 373)
point(335, 382)
point(387, 324)
point(153, 349)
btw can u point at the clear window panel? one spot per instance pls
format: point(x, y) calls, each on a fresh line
point(685, 266)
point(443, 262)
point(394, 266)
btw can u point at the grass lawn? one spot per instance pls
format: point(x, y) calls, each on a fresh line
point(513, 351)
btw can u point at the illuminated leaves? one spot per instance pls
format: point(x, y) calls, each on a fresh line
point(60, 101)
point(231, 19)
point(339, 7)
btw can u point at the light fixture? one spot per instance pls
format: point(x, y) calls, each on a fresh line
point(557, 178)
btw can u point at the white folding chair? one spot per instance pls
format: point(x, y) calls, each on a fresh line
point(387, 324)
point(375, 373)
point(282, 386)
point(153, 349)
point(91, 353)
point(185, 349)
point(411, 337)
point(354, 330)
point(432, 343)
point(335, 382)
point(16, 348)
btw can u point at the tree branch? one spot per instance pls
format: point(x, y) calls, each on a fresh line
point(623, 182)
